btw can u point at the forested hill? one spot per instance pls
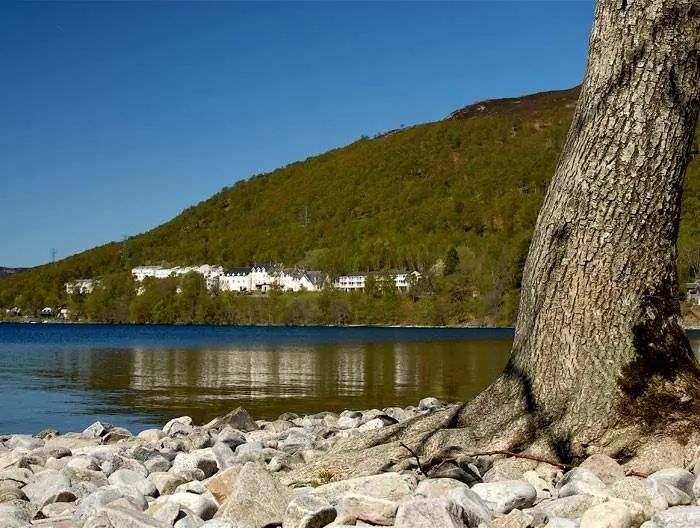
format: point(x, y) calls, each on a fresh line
point(5, 272)
point(474, 180)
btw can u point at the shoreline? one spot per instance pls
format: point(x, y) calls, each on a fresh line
point(239, 472)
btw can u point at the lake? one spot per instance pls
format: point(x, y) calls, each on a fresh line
point(67, 376)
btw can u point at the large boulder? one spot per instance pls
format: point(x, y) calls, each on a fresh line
point(506, 495)
point(387, 486)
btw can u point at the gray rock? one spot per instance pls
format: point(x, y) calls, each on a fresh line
point(369, 509)
point(570, 507)
point(58, 509)
point(203, 459)
point(376, 423)
point(157, 463)
point(150, 435)
point(424, 513)
point(641, 492)
point(204, 505)
point(258, 499)
point(121, 517)
point(451, 470)
point(678, 517)
point(307, 511)
point(398, 414)
point(436, 488)
point(676, 477)
point(613, 514)
point(237, 419)
point(427, 403)
point(97, 430)
point(131, 478)
point(544, 489)
point(388, 486)
point(580, 481)
point(672, 495)
point(515, 519)
point(45, 484)
point(506, 495)
point(93, 502)
point(348, 422)
point(605, 468)
point(231, 437)
point(181, 426)
point(217, 523)
point(166, 483)
point(474, 508)
point(23, 441)
point(562, 522)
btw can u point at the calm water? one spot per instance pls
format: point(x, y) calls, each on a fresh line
point(68, 376)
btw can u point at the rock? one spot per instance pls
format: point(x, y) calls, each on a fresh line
point(570, 507)
point(376, 423)
point(424, 513)
point(65, 495)
point(435, 488)
point(348, 422)
point(307, 511)
point(506, 495)
point(369, 509)
point(131, 478)
point(231, 437)
point(658, 453)
point(221, 484)
point(474, 509)
point(427, 403)
point(93, 502)
point(204, 506)
point(452, 471)
point(116, 434)
point(398, 414)
point(58, 509)
point(562, 522)
point(678, 517)
point(580, 481)
point(508, 469)
point(150, 435)
point(121, 517)
point(203, 459)
point(613, 514)
point(166, 483)
point(641, 492)
point(544, 488)
point(672, 495)
point(97, 430)
point(237, 419)
point(605, 468)
point(257, 499)
point(678, 478)
point(515, 519)
point(388, 486)
point(181, 426)
point(157, 463)
point(46, 484)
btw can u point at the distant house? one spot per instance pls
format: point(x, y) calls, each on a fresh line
point(356, 281)
point(235, 280)
point(693, 292)
point(47, 311)
point(81, 286)
point(211, 274)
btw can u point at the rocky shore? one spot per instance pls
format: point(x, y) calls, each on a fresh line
point(229, 473)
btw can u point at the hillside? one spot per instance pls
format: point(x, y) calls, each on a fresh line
point(6, 272)
point(474, 181)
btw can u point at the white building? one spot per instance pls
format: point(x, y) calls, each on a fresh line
point(235, 280)
point(81, 286)
point(357, 281)
point(209, 272)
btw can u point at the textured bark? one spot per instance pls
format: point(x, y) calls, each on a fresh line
point(600, 362)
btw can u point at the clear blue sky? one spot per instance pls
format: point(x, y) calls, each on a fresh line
point(117, 116)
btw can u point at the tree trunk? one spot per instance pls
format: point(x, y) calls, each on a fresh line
point(599, 344)
point(600, 362)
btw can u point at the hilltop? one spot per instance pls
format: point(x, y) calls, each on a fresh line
point(6, 272)
point(473, 181)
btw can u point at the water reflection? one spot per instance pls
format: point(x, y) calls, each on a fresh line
point(152, 385)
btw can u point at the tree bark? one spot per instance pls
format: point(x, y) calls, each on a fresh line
point(600, 361)
point(599, 344)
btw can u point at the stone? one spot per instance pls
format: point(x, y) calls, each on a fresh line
point(452, 471)
point(506, 495)
point(257, 499)
point(166, 483)
point(237, 419)
point(376, 423)
point(562, 522)
point(544, 488)
point(658, 453)
point(121, 517)
point(157, 463)
point(46, 484)
point(204, 459)
point(97, 430)
point(65, 495)
point(474, 509)
point(605, 468)
point(116, 434)
point(58, 509)
point(388, 486)
point(570, 507)
point(150, 435)
point(672, 495)
point(435, 488)
point(347, 422)
point(221, 484)
point(678, 517)
point(131, 478)
point(423, 513)
point(181, 426)
point(369, 509)
point(427, 403)
point(641, 492)
point(93, 502)
point(204, 505)
point(580, 481)
point(307, 511)
point(613, 514)
point(515, 519)
point(508, 469)
point(676, 477)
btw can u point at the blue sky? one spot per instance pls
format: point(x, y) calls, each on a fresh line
point(117, 116)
